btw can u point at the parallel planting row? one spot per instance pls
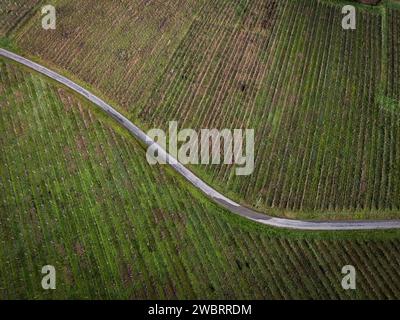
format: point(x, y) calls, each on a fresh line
point(311, 92)
point(78, 194)
point(315, 94)
point(393, 55)
point(120, 47)
point(13, 12)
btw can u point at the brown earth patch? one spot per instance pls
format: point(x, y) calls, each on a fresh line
point(65, 99)
point(79, 249)
point(82, 146)
point(19, 96)
point(69, 277)
point(369, 1)
point(19, 129)
point(60, 249)
point(127, 275)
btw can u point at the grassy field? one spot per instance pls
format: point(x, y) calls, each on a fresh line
point(323, 101)
point(78, 193)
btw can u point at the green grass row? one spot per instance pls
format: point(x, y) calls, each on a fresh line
point(77, 193)
point(310, 89)
point(325, 129)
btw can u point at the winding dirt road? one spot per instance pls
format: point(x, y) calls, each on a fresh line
point(198, 183)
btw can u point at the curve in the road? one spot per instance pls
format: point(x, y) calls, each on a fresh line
point(198, 183)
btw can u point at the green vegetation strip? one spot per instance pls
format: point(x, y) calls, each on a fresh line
point(315, 94)
point(80, 196)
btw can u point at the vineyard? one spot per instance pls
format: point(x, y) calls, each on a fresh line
point(120, 47)
point(393, 56)
point(79, 194)
point(323, 101)
point(309, 89)
point(13, 13)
